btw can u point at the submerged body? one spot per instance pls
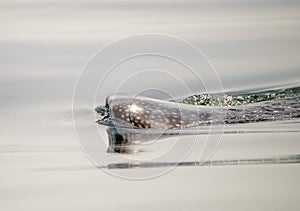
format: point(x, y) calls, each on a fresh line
point(141, 112)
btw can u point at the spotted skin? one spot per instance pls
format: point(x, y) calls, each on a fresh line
point(142, 112)
point(148, 113)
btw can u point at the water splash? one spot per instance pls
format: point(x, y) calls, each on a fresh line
point(238, 98)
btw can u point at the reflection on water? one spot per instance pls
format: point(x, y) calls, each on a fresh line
point(290, 159)
point(127, 141)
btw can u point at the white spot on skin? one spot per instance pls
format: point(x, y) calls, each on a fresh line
point(133, 108)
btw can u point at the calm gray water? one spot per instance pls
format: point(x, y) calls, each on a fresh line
point(44, 45)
